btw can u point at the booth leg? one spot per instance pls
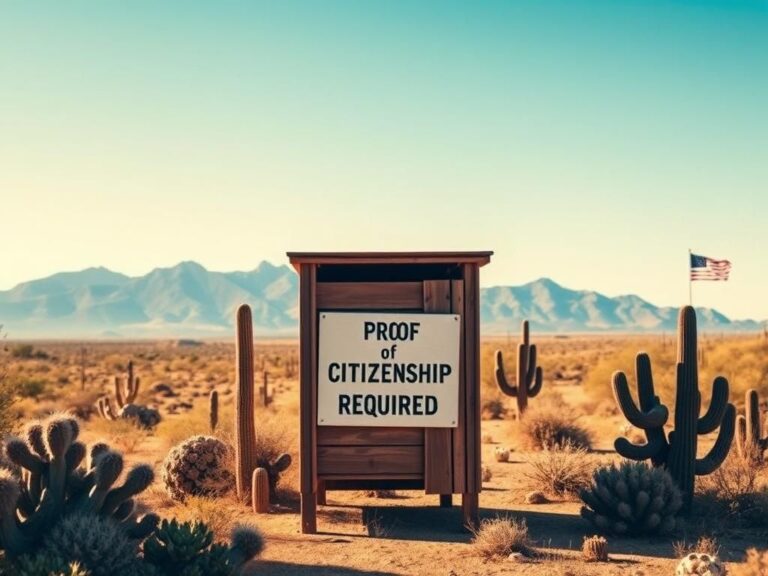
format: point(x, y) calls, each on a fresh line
point(308, 513)
point(321, 493)
point(469, 508)
point(446, 500)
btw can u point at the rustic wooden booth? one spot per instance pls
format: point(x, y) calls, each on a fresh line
point(441, 461)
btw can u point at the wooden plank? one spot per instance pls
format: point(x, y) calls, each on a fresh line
point(394, 476)
point(299, 258)
point(438, 451)
point(459, 433)
point(370, 460)
point(367, 436)
point(369, 295)
point(377, 483)
point(472, 374)
point(307, 411)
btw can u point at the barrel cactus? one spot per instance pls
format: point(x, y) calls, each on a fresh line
point(199, 466)
point(632, 499)
point(501, 454)
point(595, 549)
point(700, 564)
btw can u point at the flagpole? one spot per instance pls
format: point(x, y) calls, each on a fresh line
point(690, 282)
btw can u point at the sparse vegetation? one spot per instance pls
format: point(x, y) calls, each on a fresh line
point(755, 564)
point(499, 537)
point(549, 426)
point(562, 470)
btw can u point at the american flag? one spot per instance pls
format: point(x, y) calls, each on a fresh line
point(703, 268)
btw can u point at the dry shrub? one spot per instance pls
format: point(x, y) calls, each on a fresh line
point(704, 545)
point(549, 426)
point(736, 491)
point(493, 408)
point(560, 470)
point(499, 537)
point(755, 564)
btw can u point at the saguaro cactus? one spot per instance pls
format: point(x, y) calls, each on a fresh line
point(529, 376)
point(245, 427)
point(213, 410)
point(677, 452)
point(749, 434)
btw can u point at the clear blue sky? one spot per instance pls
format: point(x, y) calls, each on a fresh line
point(591, 142)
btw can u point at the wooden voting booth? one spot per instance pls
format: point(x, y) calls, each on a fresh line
point(390, 375)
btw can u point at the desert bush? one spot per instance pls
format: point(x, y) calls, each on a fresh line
point(755, 564)
point(704, 545)
point(27, 352)
point(499, 537)
point(32, 388)
point(561, 470)
point(7, 396)
point(632, 499)
point(549, 426)
point(736, 492)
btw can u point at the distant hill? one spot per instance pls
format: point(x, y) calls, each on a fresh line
point(189, 301)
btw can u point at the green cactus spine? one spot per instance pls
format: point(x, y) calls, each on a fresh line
point(749, 434)
point(245, 427)
point(529, 376)
point(677, 452)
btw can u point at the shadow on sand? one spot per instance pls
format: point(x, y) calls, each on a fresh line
point(547, 529)
point(273, 568)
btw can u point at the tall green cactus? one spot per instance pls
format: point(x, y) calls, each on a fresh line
point(677, 452)
point(749, 434)
point(245, 427)
point(529, 376)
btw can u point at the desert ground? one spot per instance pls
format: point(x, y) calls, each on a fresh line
point(407, 532)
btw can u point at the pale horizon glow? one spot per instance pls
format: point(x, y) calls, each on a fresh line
point(591, 142)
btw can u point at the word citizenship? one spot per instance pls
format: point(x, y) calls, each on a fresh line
point(388, 373)
point(387, 405)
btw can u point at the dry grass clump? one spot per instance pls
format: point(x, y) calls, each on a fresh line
point(704, 545)
point(736, 491)
point(562, 470)
point(755, 564)
point(549, 426)
point(501, 536)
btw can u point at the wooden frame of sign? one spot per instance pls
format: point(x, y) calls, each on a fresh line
point(443, 461)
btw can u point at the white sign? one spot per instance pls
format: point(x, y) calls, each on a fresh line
point(378, 369)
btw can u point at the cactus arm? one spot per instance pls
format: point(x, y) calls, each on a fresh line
point(627, 449)
point(717, 407)
point(719, 451)
point(535, 388)
point(741, 435)
point(501, 377)
point(530, 366)
point(119, 392)
point(655, 417)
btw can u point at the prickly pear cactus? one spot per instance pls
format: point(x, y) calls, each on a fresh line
point(199, 466)
point(700, 564)
point(632, 499)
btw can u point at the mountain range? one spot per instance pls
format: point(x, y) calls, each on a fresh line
point(187, 300)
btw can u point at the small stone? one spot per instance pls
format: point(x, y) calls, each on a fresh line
point(516, 557)
point(536, 497)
